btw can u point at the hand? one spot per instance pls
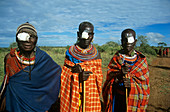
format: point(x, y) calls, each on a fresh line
point(126, 82)
point(84, 75)
point(76, 69)
point(125, 69)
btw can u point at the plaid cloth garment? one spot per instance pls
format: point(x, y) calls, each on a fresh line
point(139, 77)
point(69, 99)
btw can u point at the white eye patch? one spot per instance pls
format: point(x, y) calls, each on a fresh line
point(23, 36)
point(85, 35)
point(130, 39)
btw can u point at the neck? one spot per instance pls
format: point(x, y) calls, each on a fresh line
point(129, 53)
point(28, 54)
point(83, 46)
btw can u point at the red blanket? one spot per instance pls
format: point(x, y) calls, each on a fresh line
point(139, 77)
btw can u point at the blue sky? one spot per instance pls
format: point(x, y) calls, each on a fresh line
point(57, 21)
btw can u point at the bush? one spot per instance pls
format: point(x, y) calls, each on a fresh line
point(147, 50)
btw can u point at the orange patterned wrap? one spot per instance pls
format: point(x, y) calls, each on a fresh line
point(69, 96)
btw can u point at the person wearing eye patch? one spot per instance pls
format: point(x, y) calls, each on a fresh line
point(32, 78)
point(81, 77)
point(127, 88)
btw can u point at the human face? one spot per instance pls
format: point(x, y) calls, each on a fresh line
point(128, 42)
point(29, 45)
point(85, 42)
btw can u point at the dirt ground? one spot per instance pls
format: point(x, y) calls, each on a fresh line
point(159, 100)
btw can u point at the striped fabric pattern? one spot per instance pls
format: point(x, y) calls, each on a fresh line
point(26, 26)
point(140, 88)
point(69, 99)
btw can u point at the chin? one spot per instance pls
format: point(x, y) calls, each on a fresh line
point(28, 49)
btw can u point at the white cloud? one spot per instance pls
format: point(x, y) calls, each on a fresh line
point(56, 40)
point(64, 16)
point(155, 37)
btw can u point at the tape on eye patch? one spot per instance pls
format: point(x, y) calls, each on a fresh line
point(131, 39)
point(23, 36)
point(85, 35)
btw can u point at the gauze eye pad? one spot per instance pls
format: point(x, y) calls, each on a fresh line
point(130, 39)
point(23, 36)
point(85, 35)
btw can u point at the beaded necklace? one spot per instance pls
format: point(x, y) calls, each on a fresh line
point(83, 54)
point(25, 61)
point(131, 60)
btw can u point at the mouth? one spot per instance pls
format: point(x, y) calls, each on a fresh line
point(27, 46)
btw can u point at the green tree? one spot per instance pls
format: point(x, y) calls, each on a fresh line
point(142, 41)
point(112, 44)
point(110, 47)
point(161, 44)
point(143, 46)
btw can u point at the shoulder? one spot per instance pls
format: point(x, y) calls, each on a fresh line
point(140, 54)
point(117, 54)
point(97, 52)
point(67, 54)
point(40, 52)
point(98, 56)
point(116, 58)
point(71, 47)
point(10, 55)
point(7, 57)
point(69, 50)
point(42, 55)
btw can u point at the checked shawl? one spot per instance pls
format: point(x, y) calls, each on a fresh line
point(69, 99)
point(139, 78)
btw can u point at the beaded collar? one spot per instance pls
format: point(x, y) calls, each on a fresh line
point(24, 60)
point(84, 51)
point(83, 54)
